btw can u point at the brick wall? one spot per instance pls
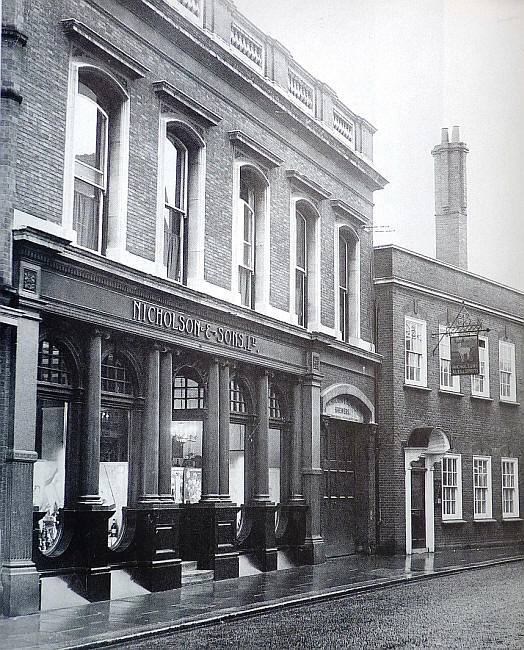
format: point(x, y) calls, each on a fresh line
point(41, 144)
point(475, 426)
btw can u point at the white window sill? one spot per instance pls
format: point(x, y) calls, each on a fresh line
point(486, 398)
point(445, 391)
point(487, 520)
point(509, 402)
point(417, 387)
point(454, 521)
point(508, 519)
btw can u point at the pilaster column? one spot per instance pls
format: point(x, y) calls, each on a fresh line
point(90, 440)
point(312, 472)
point(261, 487)
point(210, 454)
point(165, 417)
point(296, 444)
point(150, 429)
point(223, 434)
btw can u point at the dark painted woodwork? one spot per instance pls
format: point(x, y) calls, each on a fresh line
point(257, 535)
point(418, 507)
point(208, 536)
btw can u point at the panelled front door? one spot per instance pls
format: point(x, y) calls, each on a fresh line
point(338, 502)
point(418, 505)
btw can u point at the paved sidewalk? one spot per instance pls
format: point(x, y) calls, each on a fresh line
point(98, 624)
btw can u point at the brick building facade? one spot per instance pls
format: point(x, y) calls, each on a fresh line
point(188, 364)
point(450, 446)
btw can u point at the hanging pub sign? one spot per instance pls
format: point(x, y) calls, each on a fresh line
point(464, 354)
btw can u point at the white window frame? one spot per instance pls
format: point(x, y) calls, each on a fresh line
point(507, 356)
point(480, 382)
point(303, 205)
point(445, 363)
point(477, 485)
point(353, 284)
point(420, 350)
point(117, 179)
point(455, 486)
point(195, 199)
point(261, 235)
point(514, 488)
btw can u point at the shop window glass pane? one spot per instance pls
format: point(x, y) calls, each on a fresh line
point(49, 469)
point(114, 465)
point(274, 465)
point(52, 365)
point(186, 460)
point(236, 465)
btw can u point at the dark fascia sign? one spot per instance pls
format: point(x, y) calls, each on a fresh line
point(464, 354)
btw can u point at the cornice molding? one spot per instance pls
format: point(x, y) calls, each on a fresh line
point(346, 211)
point(304, 183)
point(253, 148)
point(89, 39)
point(12, 33)
point(171, 95)
point(447, 296)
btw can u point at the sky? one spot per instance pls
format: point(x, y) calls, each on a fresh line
point(411, 67)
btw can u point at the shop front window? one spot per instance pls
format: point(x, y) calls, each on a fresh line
point(240, 446)
point(115, 429)
point(55, 384)
point(49, 469)
point(114, 465)
point(186, 436)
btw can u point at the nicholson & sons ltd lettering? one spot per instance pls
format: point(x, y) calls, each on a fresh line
point(170, 320)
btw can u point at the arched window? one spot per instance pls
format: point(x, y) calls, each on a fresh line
point(175, 207)
point(188, 390)
point(307, 283)
point(97, 144)
point(348, 284)
point(116, 420)
point(186, 435)
point(56, 379)
point(177, 240)
point(251, 226)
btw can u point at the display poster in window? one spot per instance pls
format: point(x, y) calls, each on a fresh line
point(464, 354)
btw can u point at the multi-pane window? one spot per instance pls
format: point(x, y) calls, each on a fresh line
point(510, 487)
point(451, 488)
point(175, 207)
point(301, 269)
point(237, 396)
point(275, 405)
point(482, 487)
point(115, 377)
point(52, 365)
point(246, 268)
point(507, 371)
point(480, 382)
point(188, 391)
point(415, 352)
point(447, 380)
point(91, 150)
point(343, 286)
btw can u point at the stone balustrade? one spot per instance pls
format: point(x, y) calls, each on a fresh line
point(273, 61)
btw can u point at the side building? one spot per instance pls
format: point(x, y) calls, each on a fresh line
point(450, 446)
point(187, 358)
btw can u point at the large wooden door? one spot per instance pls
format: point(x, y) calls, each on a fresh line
point(338, 502)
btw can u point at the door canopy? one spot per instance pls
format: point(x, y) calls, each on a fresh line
point(432, 442)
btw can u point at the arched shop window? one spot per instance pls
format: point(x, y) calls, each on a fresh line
point(277, 440)
point(56, 379)
point(186, 435)
point(240, 452)
point(118, 397)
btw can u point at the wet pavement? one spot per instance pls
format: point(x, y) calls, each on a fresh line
point(98, 624)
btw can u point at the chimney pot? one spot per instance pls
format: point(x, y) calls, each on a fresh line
point(445, 137)
point(455, 137)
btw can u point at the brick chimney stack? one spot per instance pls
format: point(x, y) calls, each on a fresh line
point(450, 199)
